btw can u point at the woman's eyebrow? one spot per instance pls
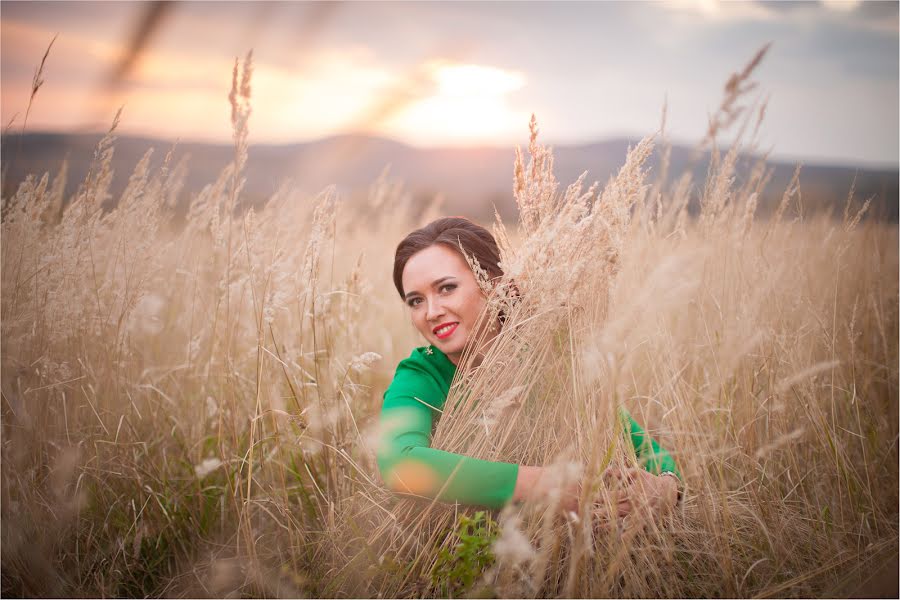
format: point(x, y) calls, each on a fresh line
point(438, 282)
point(434, 283)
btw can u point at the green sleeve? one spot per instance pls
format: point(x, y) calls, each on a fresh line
point(408, 463)
point(650, 454)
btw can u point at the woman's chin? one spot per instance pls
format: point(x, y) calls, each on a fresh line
point(446, 348)
point(449, 347)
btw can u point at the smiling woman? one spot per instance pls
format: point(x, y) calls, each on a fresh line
point(437, 284)
point(433, 276)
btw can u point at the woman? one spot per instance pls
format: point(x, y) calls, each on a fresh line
point(444, 300)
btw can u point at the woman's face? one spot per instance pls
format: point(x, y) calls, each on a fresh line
point(444, 298)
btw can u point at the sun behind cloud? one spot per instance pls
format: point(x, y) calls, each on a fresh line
point(470, 104)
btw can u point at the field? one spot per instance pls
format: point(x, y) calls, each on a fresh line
point(190, 402)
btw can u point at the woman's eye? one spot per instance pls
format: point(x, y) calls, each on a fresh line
point(413, 302)
point(448, 287)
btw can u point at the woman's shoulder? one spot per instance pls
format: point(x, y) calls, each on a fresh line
point(426, 367)
point(429, 360)
point(420, 354)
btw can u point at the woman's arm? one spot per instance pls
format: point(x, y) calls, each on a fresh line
point(661, 484)
point(409, 465)
point(534, 483)
point(407, 462)
point(652, 457)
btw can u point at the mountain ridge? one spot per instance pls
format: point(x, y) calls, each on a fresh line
point(470, 179)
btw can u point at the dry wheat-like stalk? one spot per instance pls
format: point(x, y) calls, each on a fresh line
point(190, 409)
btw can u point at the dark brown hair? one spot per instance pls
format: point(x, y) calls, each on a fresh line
point(452, 232)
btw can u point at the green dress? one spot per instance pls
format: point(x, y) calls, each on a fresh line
point(415, 399)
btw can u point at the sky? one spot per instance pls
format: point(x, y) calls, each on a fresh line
point(433, 74)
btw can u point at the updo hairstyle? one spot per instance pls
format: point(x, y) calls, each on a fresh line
point(451, 232)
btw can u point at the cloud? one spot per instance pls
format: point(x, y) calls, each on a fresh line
point(589, 70)
point(842, 6)
point(850, 14)
point(715, 10)
point(470, 103)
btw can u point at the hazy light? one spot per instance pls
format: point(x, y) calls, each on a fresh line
point(709, 7)
point(475, 80)
point(716, 10)
point(841, 5)
point(470, 104)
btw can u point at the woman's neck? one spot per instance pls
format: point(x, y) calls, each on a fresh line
point(477, 359)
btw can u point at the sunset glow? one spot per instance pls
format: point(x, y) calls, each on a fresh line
point(465, 81)
point(471, 104)
point(428, 75)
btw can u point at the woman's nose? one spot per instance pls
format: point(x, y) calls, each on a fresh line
point(435, 310)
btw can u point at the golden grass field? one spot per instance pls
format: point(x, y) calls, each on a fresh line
point(189, 408)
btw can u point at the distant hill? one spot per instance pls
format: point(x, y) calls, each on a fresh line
point(471, 180)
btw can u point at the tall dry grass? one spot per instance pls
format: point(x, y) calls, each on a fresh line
point(189, 408)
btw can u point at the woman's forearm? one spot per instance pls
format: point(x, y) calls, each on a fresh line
point(543, 483)
point(448, 477)
point(526, 483)
point(535, 483)
point(652, 456)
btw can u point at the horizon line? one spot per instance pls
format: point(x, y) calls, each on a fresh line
point(774, 155)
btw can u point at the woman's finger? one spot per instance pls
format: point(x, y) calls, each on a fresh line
point(621, 474)
point(603, 523)
point(615, 477)
point(611, 476)
point(632, 475)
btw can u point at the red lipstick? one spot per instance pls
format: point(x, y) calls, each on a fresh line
point(448, 329)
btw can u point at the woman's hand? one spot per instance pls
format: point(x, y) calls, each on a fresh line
point(619, 483)
point(632, 491)
point(667, 488)
point(541, 483)
point(649, 495)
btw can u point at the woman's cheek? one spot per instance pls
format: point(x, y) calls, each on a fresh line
point(416, 319)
